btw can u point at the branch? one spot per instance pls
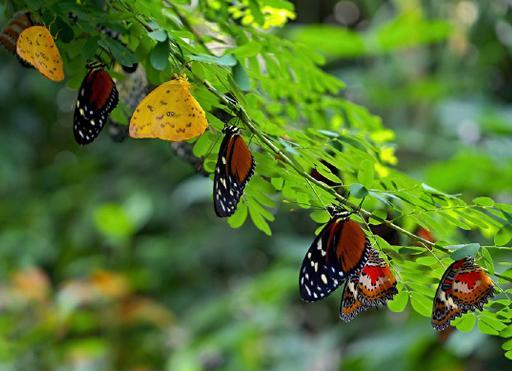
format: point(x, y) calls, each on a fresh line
point(252, 126)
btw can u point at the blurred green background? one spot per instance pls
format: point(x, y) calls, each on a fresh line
point(111, 257)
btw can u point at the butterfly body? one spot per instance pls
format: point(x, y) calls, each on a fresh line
point(235, 166)
point(35, 46)
point(97, 97)
point(464, 287)
point(170, 113)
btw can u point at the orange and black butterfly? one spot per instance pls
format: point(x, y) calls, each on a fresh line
point(235, 166)
point(9, 35)
point(374, 286)
point(339, 251)
point(97, 97)
point(464, 287)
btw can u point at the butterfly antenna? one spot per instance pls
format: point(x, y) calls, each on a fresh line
point(217, 137)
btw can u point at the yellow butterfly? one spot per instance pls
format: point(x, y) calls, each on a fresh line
point(169, 112)
point(35, 46)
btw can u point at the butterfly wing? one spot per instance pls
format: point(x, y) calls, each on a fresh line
point(235, 166)
point(132, 89)
point(376, 283)
point(351, 304)
point(471, 287)
point(463, 287)
point(36, 46)
point(320, 276)
point(170, 113)
point(11, 32)
point(350, 246)
point(97, 97)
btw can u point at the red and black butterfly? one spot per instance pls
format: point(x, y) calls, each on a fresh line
point(340, 250)
point(97, 97)
point(235, 166)
point(374, 286)
point(9, 35)
point(464, 287)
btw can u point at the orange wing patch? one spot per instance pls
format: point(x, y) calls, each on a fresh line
point(241, 159)
point(471, 288)
point(352, 246)
point(170, 113)
point(36, 46)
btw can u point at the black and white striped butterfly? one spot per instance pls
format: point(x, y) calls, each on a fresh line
point(235, 166)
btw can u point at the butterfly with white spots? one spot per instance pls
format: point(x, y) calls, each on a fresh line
point(235, 166)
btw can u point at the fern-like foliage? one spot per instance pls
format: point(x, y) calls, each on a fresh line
point(296, 118)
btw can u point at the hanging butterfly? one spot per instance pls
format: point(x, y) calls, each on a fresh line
point(464, 287)
point(235, 166)
point(340, 250)
point(35, 46)
point(170, 113)
point(374, 286)
point(132, 89)
point(97, 97)
point(9, 35)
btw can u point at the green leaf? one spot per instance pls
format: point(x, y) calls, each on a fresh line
point(483, 201)
point(503, 236)
point(461, 251)
point(399, 302)
point(487, 261)
point(508, 354)
point(113, 221)
point(249, 49)
point(241, 77)
point(119, 51)
point(159, 56)
point(507, 332)
point(256, 12)
point(466, 323)
point(158, 35)
point(421, 304)
point(238, 218)
point(258, 220)
point(507, 345)
point(203, 144)
point(491, 319)
point(366, 173)
point(485, 328)
point(357, 190)
point(226, 60)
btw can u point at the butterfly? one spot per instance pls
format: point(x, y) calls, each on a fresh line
point(35, 46)
point(169, 112)
point(235, 166)
point(374, 286)
point(97, 97)
point(464, 287)
point(132, 89)
point(340, 250)
point(9, 35)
